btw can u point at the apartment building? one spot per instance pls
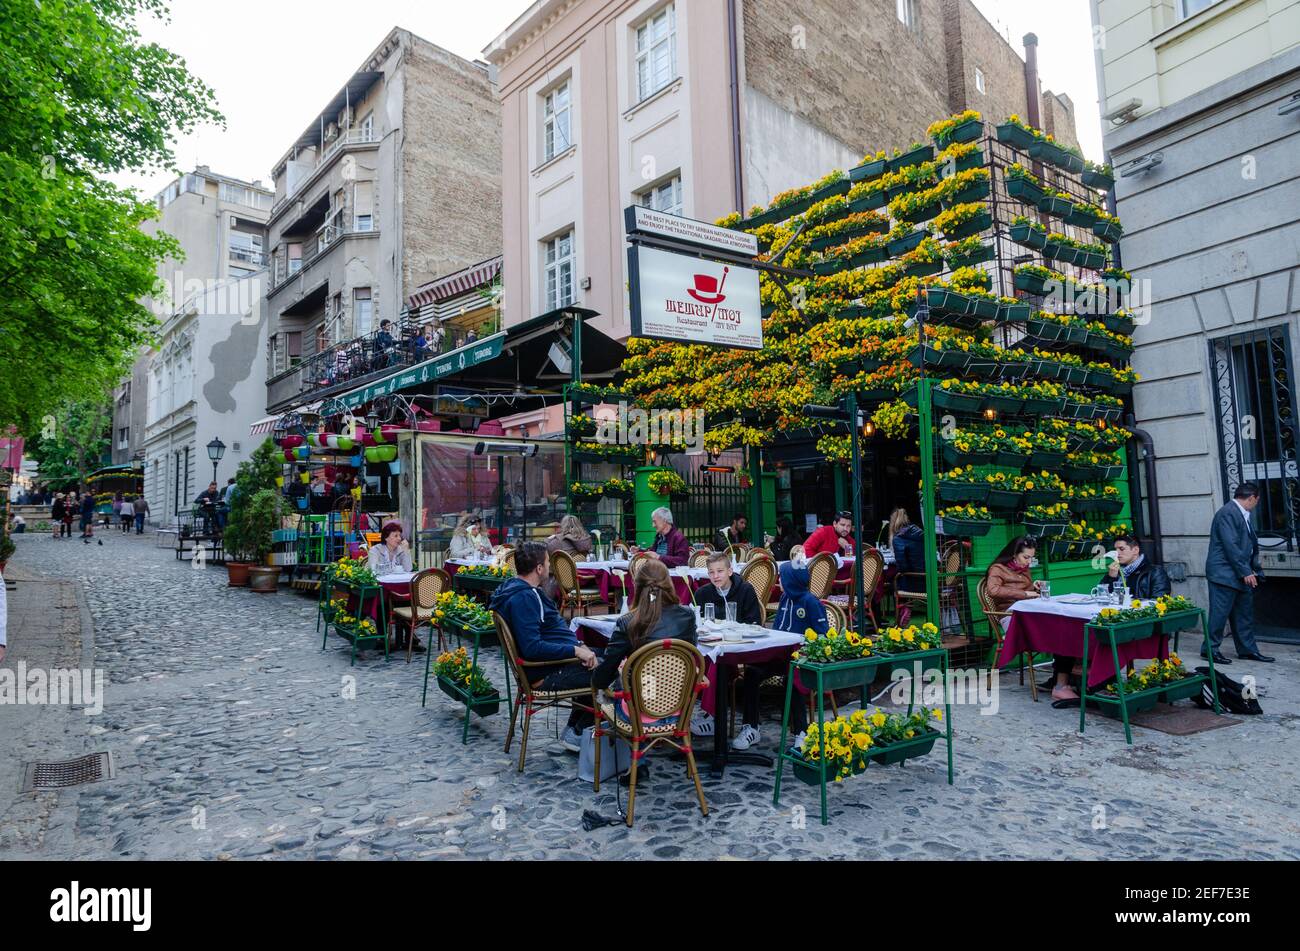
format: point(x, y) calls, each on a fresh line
point(703, 107)
point(1202, 101)
point(395, 181)
point(203, 377)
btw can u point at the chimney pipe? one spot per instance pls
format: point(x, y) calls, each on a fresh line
point(1032, 96)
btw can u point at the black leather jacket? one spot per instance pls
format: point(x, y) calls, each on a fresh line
point(677, 623)
point(1148, 581)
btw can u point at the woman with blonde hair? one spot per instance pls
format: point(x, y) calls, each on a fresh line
point(468, 540)
point(570, 537)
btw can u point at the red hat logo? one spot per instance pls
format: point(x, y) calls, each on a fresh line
point(708, 289)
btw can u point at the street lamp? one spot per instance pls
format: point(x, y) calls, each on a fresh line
point(216, 449)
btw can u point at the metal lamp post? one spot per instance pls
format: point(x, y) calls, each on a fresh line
point(216, 449)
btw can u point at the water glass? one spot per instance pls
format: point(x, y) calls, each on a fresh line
point(1045, 590)
point(731, 612)
point(708, 612)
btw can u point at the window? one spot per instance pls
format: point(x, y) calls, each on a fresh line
point(293, 347)
point(559, 272)
point(979, 80)
point(246, 247)
point(907, 13)
point(557, 111)
point(368, 127)
point(124, 438)
point(363, 206)
point(322, 338)
point(1187, 8)
point(361, 311)
point(656, 53)
point(666, 197)
point(1255, 403)
point(295, 258)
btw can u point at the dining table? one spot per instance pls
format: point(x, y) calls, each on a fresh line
point(1057, 625)
point(724, 645)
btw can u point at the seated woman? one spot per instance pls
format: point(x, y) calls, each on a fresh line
point(908, 543)
point(1009, 580)
point(786, 539)
point(468, 540)
point(570, 537)
point(392, 555)
point(655, 615)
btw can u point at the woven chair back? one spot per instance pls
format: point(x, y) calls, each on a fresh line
point(821, 574)
point(660, 678)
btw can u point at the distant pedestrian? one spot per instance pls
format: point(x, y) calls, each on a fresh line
point(61, 517)
point(141, 511)
point(88, 517)
point(127, 514)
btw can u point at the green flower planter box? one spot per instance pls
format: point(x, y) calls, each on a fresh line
point(833, 266)
point(1004, 500)
point(1042, 497)
point(1136, 703)
point(1107, 231)
point(1183, 689)
point(971, 193)
point(1060, 252)
point(1004, 404)
point(954, 359)
point(863, 365)
point(1119, 324)
point(967, 131)
point(869, 171)
point(952, 456)
point(909, 242)
point(924, 213)
point(808, 771)
point(985, 253)
point(1091, 259)
point(1046, 460)
point(841, 676)
point(1059, 550)
point(869, 202)
point(1180, 621)
point(1015, 136)
point(1043, 529)
point(1053, 205)
point(480, 706)
point(1099, 180)
point(941, 300)
point(972, 160)
point(1055, 155)
point(957, 402)
point(985, 307)
point(1078, 215)
point(950, 491)
point(1012, 460)
point(915, 157)
point(863, 258)
point(1014, 313)
point(1125, 633)
point(1102, 506)
point(1044, 407)
point(1031, 283)
point(841, 187)
point(1027, 235)
point(844, 237)
point(1022, 189)
point(980, 222)
point(1014, 370)
point(1047, 331)
point(902, 750)
point(923, 268)
point(964, 528)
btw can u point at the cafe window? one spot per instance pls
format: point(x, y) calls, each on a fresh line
point(656, 52)
point(557, 117)
point(559, 271)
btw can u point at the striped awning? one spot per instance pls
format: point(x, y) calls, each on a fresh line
point(262, 426)
point(476, 275)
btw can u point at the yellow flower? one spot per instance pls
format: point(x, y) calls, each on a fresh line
point(810, 635)
point(937, 713)
point(878, 719)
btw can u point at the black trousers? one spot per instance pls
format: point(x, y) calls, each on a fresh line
point(570, 677)
point(1238, 607)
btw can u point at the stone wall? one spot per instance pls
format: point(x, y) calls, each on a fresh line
point(451, 165)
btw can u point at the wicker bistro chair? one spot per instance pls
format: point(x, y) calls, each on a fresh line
point(425, 588)
point(737, 553)
point(573, 595)
point(699, 558)
point(530, 699)
point(660, 682)
point(994, 618)
point(821, 574)
point(761, 575)
point(949, 583)
point(869, 568)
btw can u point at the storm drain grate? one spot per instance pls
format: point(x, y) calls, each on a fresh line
point(90, 768)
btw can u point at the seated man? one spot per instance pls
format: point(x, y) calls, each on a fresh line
point(834, 538)
point(726, 589)
point(541, 634)
point(733, 534)
point(1144, 578)
point(670, 545)
point(207, 502)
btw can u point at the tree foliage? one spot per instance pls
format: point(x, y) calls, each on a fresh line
point(255, 475)
point(72, 445)
point(84, 96)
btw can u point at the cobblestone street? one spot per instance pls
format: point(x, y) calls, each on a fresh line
point(235, 736)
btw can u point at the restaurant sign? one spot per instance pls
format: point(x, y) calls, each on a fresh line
point(693, 300)
point(428, 372)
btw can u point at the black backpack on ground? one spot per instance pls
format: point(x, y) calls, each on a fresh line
point(1232, 698)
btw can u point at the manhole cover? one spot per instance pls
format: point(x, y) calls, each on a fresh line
point(90, 768)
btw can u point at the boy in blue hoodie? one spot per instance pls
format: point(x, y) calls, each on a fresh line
point(541, 634)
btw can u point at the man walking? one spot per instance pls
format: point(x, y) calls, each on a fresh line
point(141, 510)
point(1233, 572)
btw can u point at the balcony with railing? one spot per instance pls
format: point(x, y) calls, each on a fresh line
point(248, 256)
point(315, 247)
point(350, 137)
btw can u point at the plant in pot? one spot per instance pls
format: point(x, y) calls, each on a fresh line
point(6, 549)
point(260, 522)
point(255, 474)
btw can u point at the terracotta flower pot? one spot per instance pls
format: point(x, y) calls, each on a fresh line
point(262, 579)
point(238, 572)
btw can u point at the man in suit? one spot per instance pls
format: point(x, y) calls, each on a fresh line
point(1144, 579)
point(1233, 571)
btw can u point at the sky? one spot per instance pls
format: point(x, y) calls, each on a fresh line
point(273, 64)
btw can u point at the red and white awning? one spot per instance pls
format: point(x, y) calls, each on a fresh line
point(262, 426)
point(476, 275)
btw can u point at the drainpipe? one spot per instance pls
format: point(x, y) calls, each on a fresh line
point(1148, 445)
point(737, 159)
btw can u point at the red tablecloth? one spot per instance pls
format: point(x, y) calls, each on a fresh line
point(1055, 634)
point(610, 584)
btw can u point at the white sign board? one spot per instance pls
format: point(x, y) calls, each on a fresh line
point(684, 298)
point(642, 220)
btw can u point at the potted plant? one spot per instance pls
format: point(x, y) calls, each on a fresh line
point(6, 549)
point(259, 472)
point(463, 681)
point(970, 521)
point(260, 522)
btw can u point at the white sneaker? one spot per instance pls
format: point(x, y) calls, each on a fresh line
point(796, 744)
point(571, 740)
point(746, 738)
point(702, 724)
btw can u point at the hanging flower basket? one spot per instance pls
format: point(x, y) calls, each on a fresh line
point(869, 170)
point(916, 156)
point(1015, 135)
point(966, 528)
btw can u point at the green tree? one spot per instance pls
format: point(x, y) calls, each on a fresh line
point(83, 97)
point(74, 444)
point(255, 475)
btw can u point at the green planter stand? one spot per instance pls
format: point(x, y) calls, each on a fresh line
point(366, 596)
point(857, 673)
point(1113, 636)
point(482, 706)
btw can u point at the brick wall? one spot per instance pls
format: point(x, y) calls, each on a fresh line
point(1059, 119)
point(863, 77)
point(451, 165)
point(974, 43)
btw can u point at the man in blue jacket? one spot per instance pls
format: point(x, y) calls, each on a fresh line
point(1233, 571)
point(541, 635)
